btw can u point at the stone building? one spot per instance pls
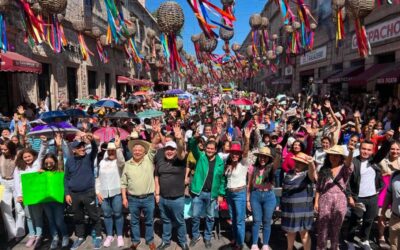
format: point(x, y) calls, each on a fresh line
point(65, 75)
point(340, 68)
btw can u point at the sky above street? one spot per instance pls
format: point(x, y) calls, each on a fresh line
point(243, 10)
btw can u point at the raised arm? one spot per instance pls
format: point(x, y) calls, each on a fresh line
point(181, 153)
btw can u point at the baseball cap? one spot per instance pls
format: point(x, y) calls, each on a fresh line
point(170, 144)
point(77, 144)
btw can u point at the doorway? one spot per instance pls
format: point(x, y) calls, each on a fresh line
point(92, 82)
point(6, 100)
point(44, 83)
point(71, 84)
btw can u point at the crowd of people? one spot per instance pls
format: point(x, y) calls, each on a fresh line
point(314, 159)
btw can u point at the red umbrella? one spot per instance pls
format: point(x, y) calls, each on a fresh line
point(107, 133)
point(241, 101)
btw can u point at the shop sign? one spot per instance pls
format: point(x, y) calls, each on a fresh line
point(380, 32)
point(313, 56)
point(289, 70)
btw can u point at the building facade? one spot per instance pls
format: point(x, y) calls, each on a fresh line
point(340, 68)
point(65, 75)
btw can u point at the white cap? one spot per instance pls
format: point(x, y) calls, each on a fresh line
point(111, 146)
point(170, 144)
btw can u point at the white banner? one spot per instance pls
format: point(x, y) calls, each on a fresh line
point(313, 56)
point(380, 32)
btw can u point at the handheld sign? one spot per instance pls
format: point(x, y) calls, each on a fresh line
point(170, 103)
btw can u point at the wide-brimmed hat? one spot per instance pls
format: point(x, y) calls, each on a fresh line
point(236, 147)
point(142, 143)
point(336, 150)
point(301, 157)
point(264, 151)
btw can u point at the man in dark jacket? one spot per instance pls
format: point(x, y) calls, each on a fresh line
point(79, 185)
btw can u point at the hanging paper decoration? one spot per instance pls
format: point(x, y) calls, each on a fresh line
point(360, 9)
point(3, 34)
point(170, 21)
point(101, 52)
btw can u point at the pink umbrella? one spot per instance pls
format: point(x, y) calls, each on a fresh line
point(241, 101)
point(107, 133)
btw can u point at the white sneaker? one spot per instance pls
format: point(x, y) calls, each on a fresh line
point(350, 246)
point(365, 245)
point(254, 247)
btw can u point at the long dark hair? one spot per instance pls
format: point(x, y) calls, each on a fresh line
point(19, 162)
point(325, 172)
point(52, 156)
point(229, 161)
point(12, 148)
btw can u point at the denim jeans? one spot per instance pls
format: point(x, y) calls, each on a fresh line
point(172, 215)
point(55, 215)
point(112, 206)
point(135, 207)
point(201, 203)
point(237, 211)
point(34, 219)
point(262, 205)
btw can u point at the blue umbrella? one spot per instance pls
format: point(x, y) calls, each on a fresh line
point(175, 92)
point(76, 113)
point(108, 104)
point(50, 116)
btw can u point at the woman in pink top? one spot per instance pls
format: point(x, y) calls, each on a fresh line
point(288, 164)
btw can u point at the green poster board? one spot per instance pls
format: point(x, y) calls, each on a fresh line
point(42, 187)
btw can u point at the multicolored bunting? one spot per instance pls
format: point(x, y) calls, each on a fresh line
point(101, 52)
point(34, 25)
point(54, 34)
point(3, 34)
point(85, 51)
point(340, 32)
point(200, 8)
point(364, 48)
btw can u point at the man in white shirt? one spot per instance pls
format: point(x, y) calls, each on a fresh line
point(363, 188)
point(352, 142)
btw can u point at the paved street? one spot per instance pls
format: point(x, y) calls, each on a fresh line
point(277, 240)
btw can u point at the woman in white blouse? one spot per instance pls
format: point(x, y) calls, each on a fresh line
point(108, 190)
point(236, 171)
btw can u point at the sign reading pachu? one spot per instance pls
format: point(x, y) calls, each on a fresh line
point(380, 32)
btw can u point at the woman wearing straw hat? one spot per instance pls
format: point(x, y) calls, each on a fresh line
point(261, 198)
point(297, 200)
point(235, 171)
point(330, 198)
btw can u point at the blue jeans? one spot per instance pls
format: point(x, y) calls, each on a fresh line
point(201, 203)
point(172, 215)
point(55, 215)
point(113, 206)
point(237, 211)
point(262, 205)
point(34, 219)
point(135, 207)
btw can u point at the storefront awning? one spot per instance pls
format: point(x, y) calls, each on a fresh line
point(134, 81)
point(324, 78)
point(123, 80)
point(14, 62)
point(390, 77)
point(346, 74)
point(370, 74)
